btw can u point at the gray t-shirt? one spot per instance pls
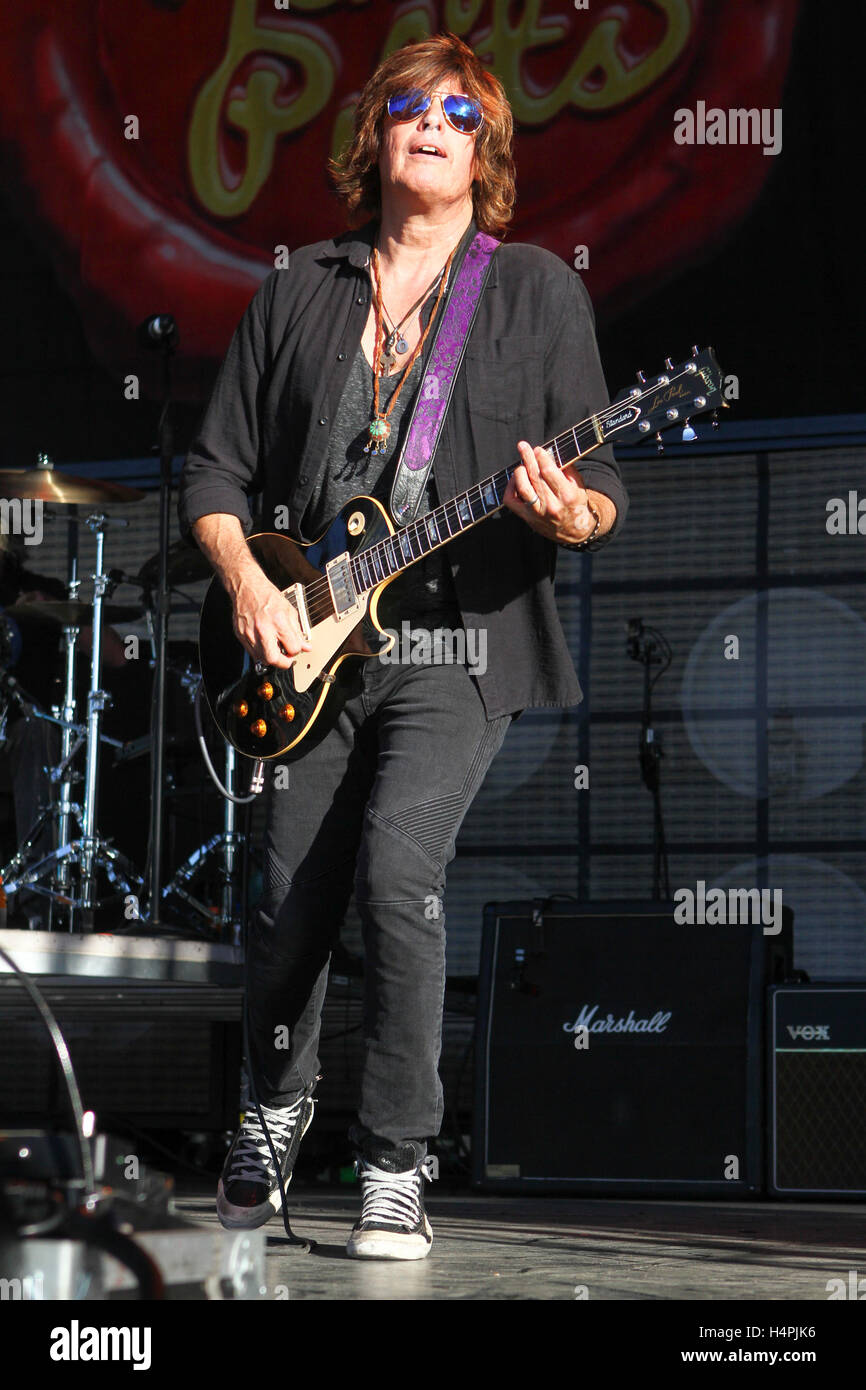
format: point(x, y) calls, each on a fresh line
point(426, 590)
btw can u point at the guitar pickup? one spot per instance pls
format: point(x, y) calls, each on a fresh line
point(345, 599)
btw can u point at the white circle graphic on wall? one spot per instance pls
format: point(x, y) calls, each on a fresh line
point(829, 911)
point(528, 744)
point(815, 657)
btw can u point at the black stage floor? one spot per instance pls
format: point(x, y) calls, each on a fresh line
point(492, 1247)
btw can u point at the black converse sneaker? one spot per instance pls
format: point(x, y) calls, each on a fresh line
point(248, 1193)
point(393, 1223)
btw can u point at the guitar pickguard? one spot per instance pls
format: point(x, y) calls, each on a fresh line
point(271, 714)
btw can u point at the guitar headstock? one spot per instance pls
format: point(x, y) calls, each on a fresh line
point(690, 388)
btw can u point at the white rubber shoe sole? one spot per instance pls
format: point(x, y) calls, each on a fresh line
point(246, 1218)
point(390, 1245)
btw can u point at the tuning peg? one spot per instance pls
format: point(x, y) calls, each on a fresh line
point(641, 378)
point(694, 350)
point(669, 364)
point(659, 442)
point(689, 435)
point(715, 418)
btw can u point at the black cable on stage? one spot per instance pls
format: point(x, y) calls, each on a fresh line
point(66, 1067)
point(124, 1125)
point(94, 1231)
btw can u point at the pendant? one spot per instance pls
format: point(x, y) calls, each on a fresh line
point(401, 344)
point(379, 430)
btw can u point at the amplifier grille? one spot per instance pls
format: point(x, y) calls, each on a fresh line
point(821, 1120)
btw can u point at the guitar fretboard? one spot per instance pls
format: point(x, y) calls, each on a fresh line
point(411, 543)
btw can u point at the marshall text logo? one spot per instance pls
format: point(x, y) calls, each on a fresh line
point(587, 1021)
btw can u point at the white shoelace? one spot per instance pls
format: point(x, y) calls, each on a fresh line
point(392, 1197)
point(252, 1158)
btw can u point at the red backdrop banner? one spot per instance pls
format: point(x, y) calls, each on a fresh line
point(165, 148)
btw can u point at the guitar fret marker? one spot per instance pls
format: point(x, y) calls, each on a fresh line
point(415, 541)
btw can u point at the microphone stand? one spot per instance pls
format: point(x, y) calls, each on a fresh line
point(160, 331)
point(650, 648)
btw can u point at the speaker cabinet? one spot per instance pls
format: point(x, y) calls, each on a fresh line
point(817, 1090)
point(620, 1052)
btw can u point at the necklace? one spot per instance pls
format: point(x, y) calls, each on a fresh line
point(395, 342)
point(380, 425)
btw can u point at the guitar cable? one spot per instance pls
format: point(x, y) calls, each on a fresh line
point(306, 1245)
point(257, 781)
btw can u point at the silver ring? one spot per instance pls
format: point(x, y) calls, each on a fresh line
point(535, 498)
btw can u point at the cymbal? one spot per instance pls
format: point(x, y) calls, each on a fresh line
point(50, 485)
point(186, 565)
point(72, 614)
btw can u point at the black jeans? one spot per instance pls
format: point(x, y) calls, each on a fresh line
point(376, 806)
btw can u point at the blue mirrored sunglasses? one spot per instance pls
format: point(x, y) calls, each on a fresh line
point(461, 112)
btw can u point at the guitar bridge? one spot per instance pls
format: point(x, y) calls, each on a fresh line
point(296, 595)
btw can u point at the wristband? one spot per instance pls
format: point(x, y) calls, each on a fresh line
point(580, 545)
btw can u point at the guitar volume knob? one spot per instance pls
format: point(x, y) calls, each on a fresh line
point(258, 728)
point(266, 690)
point(288, 713)
point(241, 708)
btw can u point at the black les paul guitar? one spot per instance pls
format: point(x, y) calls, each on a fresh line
point(334, 583)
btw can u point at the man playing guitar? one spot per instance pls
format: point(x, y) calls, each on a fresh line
point(312, 407)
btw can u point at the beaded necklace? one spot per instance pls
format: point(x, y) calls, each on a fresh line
point(380, 425)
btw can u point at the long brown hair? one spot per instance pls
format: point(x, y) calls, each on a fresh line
point(426, 63)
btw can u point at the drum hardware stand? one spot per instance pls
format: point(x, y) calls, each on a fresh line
point(159, 332)
point(223, 847)
point(67, 749)
point(96, 700)
point(90, 851)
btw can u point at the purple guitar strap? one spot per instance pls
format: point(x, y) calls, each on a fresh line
point(434, 397)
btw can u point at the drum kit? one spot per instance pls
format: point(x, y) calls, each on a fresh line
point(83, 871)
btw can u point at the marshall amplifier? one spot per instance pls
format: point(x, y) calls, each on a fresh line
point(618, 1051)
point(817, 1090)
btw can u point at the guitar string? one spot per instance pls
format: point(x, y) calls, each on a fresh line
point(318, 598)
